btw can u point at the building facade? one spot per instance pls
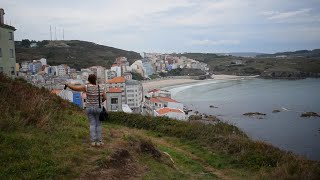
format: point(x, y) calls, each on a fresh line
point(7, 48)
point(134, 95)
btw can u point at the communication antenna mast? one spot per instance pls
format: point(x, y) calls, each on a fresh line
point(63, 33)
point(55, 32)
point(50, 33)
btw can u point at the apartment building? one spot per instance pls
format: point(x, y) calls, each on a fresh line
point(7, 48)
point(134, 95)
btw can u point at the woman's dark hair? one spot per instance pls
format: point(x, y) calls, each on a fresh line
point(92, 79)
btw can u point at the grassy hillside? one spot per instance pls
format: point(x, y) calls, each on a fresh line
point(309, 66)
point(45, 137)
point(300, 53)
point(77, 54)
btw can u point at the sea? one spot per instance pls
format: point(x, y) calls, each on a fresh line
point(285, 129)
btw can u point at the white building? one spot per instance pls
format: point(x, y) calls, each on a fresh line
point(155, 103)
point(63, 70)
point(43, 61)
point(99, 71)
point(118, 82)
point(137, 67)
point(110, 74)
point(134, 95)
point(146, 63)
point(116, 69)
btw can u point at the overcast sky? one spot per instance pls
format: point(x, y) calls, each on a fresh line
point(173, 25)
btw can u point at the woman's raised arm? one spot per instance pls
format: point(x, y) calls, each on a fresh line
point(76, 87)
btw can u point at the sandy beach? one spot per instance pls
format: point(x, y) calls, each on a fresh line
point(161, 83)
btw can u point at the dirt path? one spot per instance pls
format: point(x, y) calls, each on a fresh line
point(117, 160)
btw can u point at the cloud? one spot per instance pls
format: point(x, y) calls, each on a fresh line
point(168, 25)
point(283, 16)
point(215, 42)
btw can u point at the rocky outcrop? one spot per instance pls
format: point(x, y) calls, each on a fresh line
point(288, 74)
point(310, 114)
point(254, 114)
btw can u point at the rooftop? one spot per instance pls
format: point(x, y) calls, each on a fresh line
point(114, 90)
point(154, 100)
point(153, 90)
point(162, 99)
point(167, 110)
point(7, 27)
point(166, 99)
point(117, 80)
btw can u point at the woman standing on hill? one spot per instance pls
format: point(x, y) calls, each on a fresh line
point(92, 106)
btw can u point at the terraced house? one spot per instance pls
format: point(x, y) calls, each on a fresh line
point(7, 48)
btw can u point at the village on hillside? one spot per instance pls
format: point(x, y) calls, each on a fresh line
point(123, 93)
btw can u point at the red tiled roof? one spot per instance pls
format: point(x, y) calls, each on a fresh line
point(166, 99)
point(154, 100)
point(167, 110)
point(114, 90)
point(117, 80)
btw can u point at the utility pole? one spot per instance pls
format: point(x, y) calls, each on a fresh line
point(63, 33)
point(50, 33)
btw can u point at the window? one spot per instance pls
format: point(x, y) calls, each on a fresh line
point(12, 70)
point(0, 52)
point(11, 53)
point(10, 35)
point(114, 100)
point(1, 69)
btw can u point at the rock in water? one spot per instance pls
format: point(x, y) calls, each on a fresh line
point(276, 111)
point(254, 114)
point(310, 114)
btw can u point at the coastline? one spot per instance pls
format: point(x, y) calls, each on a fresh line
point(164, 83)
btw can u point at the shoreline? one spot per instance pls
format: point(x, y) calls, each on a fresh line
point(164, 83)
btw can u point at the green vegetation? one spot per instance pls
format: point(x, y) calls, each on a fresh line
point(45, 137)
point(77, 54)
point(294, 67)
point(137, 76)
point(183, 72)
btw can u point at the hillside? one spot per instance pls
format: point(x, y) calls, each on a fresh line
point(77, 54)
point(300, 53)
point(45, 137)
point(287, 68)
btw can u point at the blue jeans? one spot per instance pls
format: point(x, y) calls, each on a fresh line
point(95, 124)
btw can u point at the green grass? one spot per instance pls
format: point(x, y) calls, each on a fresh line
point(32, 153)
point(45, 137)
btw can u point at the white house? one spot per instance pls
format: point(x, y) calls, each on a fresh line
point(155, 103)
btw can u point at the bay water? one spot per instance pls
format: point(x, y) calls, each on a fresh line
point(285, 129)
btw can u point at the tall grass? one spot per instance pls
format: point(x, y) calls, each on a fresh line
point(228, 141)
point(40, 134)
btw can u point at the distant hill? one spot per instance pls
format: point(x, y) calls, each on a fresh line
point(77, 54)
point(300, 53)
point(243, 54)
point(292, 67)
